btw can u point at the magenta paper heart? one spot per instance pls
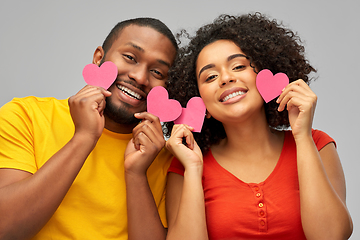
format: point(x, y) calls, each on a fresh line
point(102, 76)
point(193, 115)
point(269, 85)
point(159, 104)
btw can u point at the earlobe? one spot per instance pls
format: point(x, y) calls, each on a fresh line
point(98, 55)
point(208, 115)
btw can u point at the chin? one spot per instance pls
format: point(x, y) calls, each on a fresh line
point(120, 114)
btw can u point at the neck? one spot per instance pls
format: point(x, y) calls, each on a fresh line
point(117, 127)
point(250, 136)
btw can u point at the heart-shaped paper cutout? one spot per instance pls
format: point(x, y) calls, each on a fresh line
point(194, 114)
point(102, 76)
point(269, 85)
point(159, 104)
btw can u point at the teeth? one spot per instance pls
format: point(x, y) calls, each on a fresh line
point(232, 95)
point(129, 92)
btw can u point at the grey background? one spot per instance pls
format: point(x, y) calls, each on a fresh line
point(44, 46)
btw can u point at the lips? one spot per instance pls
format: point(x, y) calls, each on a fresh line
point(228, 94)
point(131, 91)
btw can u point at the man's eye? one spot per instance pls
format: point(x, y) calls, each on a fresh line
point(158, 73)
point(131, 58)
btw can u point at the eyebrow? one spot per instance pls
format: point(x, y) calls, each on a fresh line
point(142, 50)
point(205, 68)
point(236, 56)
point(136, 46)
point(231, 57)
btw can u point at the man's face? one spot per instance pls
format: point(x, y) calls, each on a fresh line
point(143, 57)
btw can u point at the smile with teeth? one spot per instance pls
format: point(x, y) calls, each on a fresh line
point(231, 95)
point(128, 92)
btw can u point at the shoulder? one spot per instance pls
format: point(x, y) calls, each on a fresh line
point(31, 102)
point(29, 109)
point(320, 138)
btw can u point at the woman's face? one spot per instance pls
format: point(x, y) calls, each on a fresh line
point(226, 82)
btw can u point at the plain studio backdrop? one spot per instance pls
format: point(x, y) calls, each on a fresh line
point(44, 45)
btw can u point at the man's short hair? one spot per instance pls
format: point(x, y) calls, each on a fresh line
point(144, 22)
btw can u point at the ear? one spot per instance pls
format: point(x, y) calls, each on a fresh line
point(98, 55)
point(208, 115)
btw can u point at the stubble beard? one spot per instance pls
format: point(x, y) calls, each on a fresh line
point(120, 115)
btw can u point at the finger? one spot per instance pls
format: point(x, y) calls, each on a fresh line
point(189, 138)
point(142, 140)
point(147, 128)
point(298, 88)
point(88, 92)
point(150, 117)
point(176, 127)
point(286, 98)
point(302, 102)
point(181, 132)
point(89, 88)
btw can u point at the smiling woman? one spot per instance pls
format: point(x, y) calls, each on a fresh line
point(245, 172)
point(222, 63)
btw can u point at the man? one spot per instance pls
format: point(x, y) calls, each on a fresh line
point(62, 161)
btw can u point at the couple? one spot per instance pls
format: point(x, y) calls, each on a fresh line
point(93, 166)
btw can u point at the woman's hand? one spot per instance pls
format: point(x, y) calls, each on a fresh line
point(190, 154)
point(300, 101)
point(185, 204)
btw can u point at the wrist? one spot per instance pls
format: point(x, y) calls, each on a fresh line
point(194, 170)
point(85, 140)
point(135, 177)
point(303, 139)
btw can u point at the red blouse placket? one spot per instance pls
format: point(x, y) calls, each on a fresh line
point(260, 206)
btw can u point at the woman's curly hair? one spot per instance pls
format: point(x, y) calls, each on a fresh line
point(267, 43)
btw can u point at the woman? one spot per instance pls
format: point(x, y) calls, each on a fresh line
point(245, 176)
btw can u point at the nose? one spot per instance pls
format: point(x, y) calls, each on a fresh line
point(139, 74)
point(226, 77)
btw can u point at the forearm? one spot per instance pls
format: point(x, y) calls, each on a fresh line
point(143, 217)
point(26, 205)
point(323, 212)
point(190, 220)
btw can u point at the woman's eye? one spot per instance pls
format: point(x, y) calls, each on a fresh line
point(239, 67)
point(212, 77)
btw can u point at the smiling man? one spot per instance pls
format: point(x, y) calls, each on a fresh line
point(62, 165)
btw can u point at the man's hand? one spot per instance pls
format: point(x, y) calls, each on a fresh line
point(147, 141)
point(86, 109)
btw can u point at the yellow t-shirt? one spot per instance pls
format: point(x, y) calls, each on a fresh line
point(33, 129)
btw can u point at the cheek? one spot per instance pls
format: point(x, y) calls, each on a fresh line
point(207, 94)
point(156, 83)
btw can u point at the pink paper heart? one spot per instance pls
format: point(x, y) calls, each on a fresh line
point(269, 85)
point(159, 104)
point(194, 114)
point(102, 76)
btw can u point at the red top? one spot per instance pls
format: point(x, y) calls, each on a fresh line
point(266, 210)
